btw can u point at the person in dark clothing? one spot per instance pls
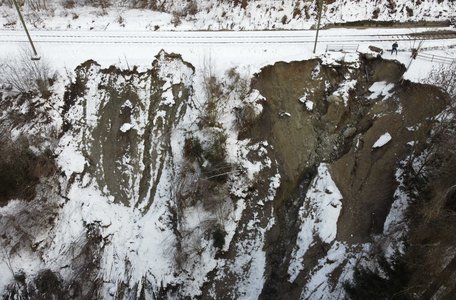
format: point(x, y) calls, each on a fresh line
point(394, 49)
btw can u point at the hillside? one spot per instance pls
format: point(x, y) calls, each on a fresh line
point(282, 186)
point(221, 15)
point(165, 150)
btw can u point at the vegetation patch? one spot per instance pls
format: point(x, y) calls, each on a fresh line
point(21, 169)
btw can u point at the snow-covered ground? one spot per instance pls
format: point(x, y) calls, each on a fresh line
point(249, 50)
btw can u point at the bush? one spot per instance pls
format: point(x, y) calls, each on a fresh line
point(36, 5)
point(25, 75)
point(192, 8)
point(47, 285)
point(103, 4)
point(245, 116)
point(68, 4)
point(192, 149)
point(218, 237)
point(216, 152)
point(21, 169)
point(444, 77)
point(368, 284)
point(176, 19)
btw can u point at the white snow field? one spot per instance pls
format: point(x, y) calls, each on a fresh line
point(225, 49)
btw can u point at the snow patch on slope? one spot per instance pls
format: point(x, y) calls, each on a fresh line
point(381, 89)
point(382, 140)
point(318, 214)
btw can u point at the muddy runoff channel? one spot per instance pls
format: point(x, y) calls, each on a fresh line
point(317, 113)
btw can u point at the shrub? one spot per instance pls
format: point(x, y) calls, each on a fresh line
point(47, 285)
point(68, 4)
point(444, 77)
point(103, 4)
point(37, 5)
point(245, 116)
point(192, 8)
point(375, 13)
point(216, 152)
point(213, 90)
point(192, 149)
point(218, 237)
point(25, 75)
point(391, 284)
point(120, 20)
point(20, 169)
point(176, 19)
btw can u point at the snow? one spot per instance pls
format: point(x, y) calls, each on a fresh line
point(321, 284)
point(70, 158)
point(284, 114)
point(126, 127)
point(318, 214)
point(382, 140)
point(381, 89)
point(250, 262)
point(308, 104)
point(318, 287)
point(395, 226)
point(344, 89)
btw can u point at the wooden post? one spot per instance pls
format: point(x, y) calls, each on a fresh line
point(320, 6)
point(35, 54)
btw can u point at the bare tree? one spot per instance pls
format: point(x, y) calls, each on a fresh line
point(445, 78)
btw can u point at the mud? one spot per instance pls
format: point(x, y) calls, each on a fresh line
point(342, 135)
point(128, 163)
point(365, 175)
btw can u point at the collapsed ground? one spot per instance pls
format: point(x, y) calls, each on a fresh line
point(155, 184)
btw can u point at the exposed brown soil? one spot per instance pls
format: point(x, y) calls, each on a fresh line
point(294, 137)
point(303, 139)
point(365, 176)
point(110, 147)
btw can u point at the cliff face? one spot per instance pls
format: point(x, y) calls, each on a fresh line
point(277, 190)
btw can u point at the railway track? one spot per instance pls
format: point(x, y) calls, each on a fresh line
point(219, 37)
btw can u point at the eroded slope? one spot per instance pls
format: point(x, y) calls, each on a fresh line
point(174, 186)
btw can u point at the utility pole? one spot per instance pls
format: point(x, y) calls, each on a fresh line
point(35, 54)
point(320, 8)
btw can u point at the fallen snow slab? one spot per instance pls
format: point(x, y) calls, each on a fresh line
point(380, 88)
point(309, 105)
point(126, 126)
point(383, 140)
